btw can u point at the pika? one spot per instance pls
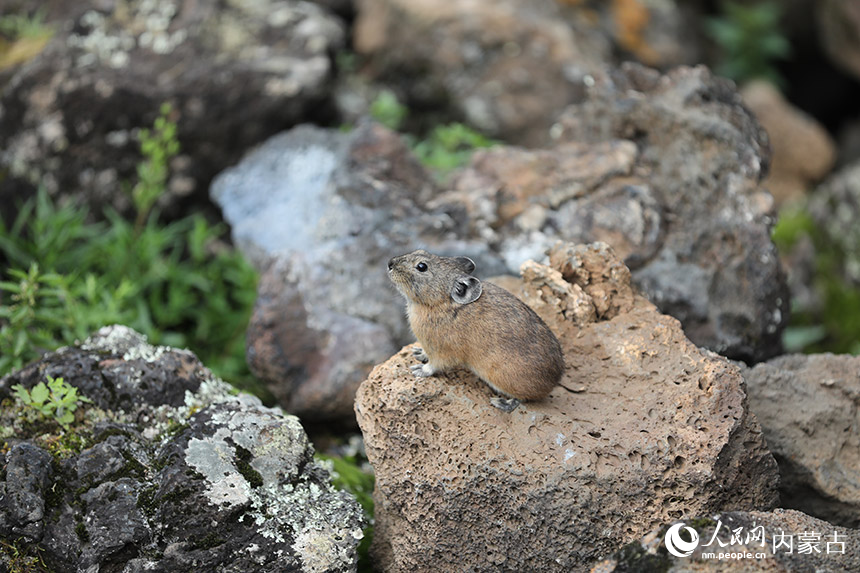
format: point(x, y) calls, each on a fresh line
point(460, 321)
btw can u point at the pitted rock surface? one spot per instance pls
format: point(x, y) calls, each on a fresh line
point(646, 428)
point(809, 410)
point(168, 470)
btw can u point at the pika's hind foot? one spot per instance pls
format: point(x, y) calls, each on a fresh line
point(419, 353)
point(505, 404)
point(422, 370)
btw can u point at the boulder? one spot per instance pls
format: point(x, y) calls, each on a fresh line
point(782, 540)
point(700, 160)
point(507, 67)
point(235, 73)
point(166, 470)
point(320, 212)
point(808, 409)
point(644, 429)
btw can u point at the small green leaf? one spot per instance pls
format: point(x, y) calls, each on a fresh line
point(39, 394)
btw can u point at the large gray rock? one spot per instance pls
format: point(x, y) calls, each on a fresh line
point(809, 408)
point(644, 429)
point(508, 67)
point(320, 212)
point(234, 72)
point(700, 159)
point(167, 470)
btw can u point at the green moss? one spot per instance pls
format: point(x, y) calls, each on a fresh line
point(110, 432)
point(132, 468)
point(207, 541)
point(634, 557)
point(82, 533)
point(146, 500)
point(243, 464)
point(701, 523)
point(175, 428)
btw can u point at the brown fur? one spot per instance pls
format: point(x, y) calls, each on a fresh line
point(497, 336)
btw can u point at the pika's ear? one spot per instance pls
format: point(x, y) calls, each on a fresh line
point(466, 264)
point(466, 289)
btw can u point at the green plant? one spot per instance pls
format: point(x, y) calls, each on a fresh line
point(444, 149)
point(18, 26)
point(158, 146)
point(21, 557)
point(833, 324)
point(57, 400)
point(750, 40)
point(387, 110)
point(450, 146)
point(178, 282)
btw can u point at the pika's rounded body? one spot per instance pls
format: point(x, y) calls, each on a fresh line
point(460, 321)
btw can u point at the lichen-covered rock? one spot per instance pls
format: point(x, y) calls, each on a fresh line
point(320, 212)
point(645, 429)
point(234, 72)
point(694, 190)
point(167, 470)
point(780, 541)
point(809, 407)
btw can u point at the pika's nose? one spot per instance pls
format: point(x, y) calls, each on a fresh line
point(390, 263)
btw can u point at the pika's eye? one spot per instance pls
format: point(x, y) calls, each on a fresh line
point(422, 267)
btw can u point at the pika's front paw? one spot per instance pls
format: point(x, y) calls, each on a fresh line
point(422, 370)
point(505, 404)
point(419, 353)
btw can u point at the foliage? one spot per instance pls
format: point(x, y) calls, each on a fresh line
point(25, 37)
point(387, 110)
point(450, 146)
point(158, 147)
point(22, 26)
point(58, 400)
point(833, 326)
point(750, 40)
point(444, 149)
point(20, 557)
point(177, 283)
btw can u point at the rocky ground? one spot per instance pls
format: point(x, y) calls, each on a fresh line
point(630, 200)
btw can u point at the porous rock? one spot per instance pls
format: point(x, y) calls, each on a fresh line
point(645, 428)
point(167, 470)
point(694, 190)
point(235, 73)
point(779, 541)
point(320, 212)
point(809, 407)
